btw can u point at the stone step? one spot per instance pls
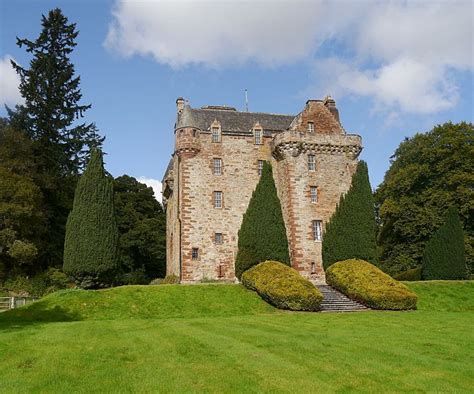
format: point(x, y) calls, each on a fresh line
point(335, 301)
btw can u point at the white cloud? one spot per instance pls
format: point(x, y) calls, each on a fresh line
point(214, 33)
point(154, 184)
point(9, 81)
point(399, 53)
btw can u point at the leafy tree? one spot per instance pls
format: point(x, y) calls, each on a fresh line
point(51, 118)
point(142, 226)
point(350, 233)
point(443, 257)
point(262, 235)
point(22, 226)
point(429, 173)
point(91, 245)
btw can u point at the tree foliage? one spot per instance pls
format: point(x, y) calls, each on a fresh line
point(51, 118)
point(429, 173)
point(443, 257)
point(142, 226)
point(262, 235)
point(350, 233)
point(22, 225)
point(91, 244)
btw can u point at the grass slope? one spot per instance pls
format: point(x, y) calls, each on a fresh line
point(247, 350)
point(142, 302)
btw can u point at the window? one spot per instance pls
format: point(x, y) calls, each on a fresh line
point(314, 194)
point(258, 136)
point(194, 132)
point(194, 253)
point(311, 163)
point(317, 230)
point(218, 238)
point(217, 199)
point(313, 268)
point(260, 167)
point(216, 134)
point(217, 166)
point(310, 127)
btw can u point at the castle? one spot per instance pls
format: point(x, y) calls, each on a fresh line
point(216, 164)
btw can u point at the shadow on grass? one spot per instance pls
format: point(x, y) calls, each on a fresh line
point(34, 314)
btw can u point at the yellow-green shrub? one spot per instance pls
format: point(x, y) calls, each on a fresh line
point(282, 286)
point(363, 282)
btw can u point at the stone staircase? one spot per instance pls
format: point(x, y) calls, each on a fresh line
point(334, 301)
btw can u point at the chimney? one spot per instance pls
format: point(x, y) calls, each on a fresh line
point(331, 106)
point(180, 104)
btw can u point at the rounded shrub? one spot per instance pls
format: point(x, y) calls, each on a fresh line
point(365, 283)
point(409, 275)
point(282, 286)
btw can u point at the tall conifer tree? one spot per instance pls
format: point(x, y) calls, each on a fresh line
point(51, 117)
point(262, 235)
point(350, 232)
point(91, 245)
point(444, 257)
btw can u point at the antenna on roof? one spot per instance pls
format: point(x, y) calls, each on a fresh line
point(246, 101)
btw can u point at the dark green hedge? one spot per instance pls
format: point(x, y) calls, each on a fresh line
point(282, 286)
point(365, 283)
point(409, 275)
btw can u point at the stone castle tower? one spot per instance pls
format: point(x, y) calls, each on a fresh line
point(215, 167)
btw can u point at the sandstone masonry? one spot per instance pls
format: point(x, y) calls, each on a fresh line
point(215, 168)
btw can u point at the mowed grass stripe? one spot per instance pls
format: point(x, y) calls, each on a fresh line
point(270, 351)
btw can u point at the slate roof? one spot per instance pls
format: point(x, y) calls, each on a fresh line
point(232, 121)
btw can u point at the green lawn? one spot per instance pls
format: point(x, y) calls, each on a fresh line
point(222, 338)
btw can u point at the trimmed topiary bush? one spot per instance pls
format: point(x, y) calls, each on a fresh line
point(262, 235)
point(350, 233)
point(443, 257)
point(282, 287)
point(365, 283)
point(409, 275)
point(91, 243)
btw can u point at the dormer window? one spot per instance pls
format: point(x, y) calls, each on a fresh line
point(310, 127)
point(216, 131)
point(258, 134)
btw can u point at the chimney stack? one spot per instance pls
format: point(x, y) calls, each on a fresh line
point(180, 104)
point(331, 106)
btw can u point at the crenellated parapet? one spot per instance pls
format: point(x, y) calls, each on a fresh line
point(187, 141)
point(293, 143)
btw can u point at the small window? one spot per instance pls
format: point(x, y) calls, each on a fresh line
point(216, 134)
point(313, 268)
point(314, 194)
point(311, 163)
point(217, 199)
point(258, 136)
point(218, 238)
point(194, 132)
point(217, 166)
point(260, 167)
point(317, 230)
point(194, 253)
point(310, 127)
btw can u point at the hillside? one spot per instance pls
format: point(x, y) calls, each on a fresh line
point(142, 302)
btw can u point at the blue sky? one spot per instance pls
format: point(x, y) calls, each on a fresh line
point(394, 68)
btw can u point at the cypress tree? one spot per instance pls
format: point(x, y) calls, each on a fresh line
point(91, 245)
point(262, 235)
point(443, 257)
point(350, 233)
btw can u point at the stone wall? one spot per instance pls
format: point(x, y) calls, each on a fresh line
point(192, 220)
